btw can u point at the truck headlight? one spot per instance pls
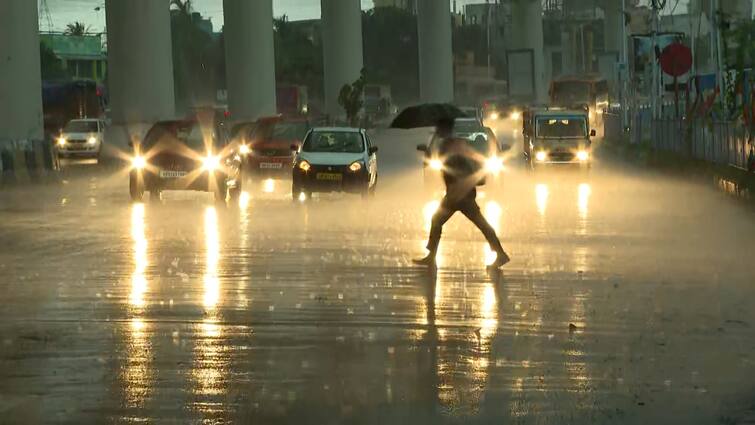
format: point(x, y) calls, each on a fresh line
point(436, 164)
point(62, 141)
point(494, 165)
point(304, 166)
point(583, 155)
point(211, 162)
point(355, 166)
point(515, 115)
point(92, 140)
point(244, 150)
point(541, 156)
point(138, 162)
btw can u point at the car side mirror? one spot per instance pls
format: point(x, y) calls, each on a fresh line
point(294, 147)
point(505, 147)
point(422, 148)
point(593, 133)
point(373, 150)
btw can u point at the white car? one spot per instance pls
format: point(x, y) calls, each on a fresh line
point(81, 138)
point(335, 159)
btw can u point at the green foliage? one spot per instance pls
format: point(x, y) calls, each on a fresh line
point(52, 68)
point(739, 54)
point(350, 98)
point(77, 28)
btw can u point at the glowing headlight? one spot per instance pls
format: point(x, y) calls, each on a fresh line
point(494, 164)
point(436, 164)
point(355, 166)
point(244, 150)
point(92, 141)
point(541, 156)
point(138, 162)
point(62, 141)
point(493, 116)
point(583, 155)
point(304, 166)
point(211, 163)
point(515, 115)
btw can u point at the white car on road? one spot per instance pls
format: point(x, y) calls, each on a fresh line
point(81, 138)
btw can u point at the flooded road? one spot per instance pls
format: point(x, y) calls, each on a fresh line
point(628, 300)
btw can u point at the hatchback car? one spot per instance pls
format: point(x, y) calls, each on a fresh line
point(265, 145)
point(184, 155)
point(336, 159)
point(81, 138)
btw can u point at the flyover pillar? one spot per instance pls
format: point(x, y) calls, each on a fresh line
point(612, 24)
point(527, 33)
point(140, 69)
point(250, 58)
point(22, 150)
point(436, 77)
point(342, 49)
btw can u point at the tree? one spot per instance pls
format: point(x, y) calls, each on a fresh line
point(350, 98)
point(77, 28)
point(52, 68)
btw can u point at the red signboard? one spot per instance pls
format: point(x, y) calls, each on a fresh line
point(676, 59)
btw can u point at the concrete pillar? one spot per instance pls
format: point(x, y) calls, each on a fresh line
point(568, 51)
point(20, 74)
point(527, 33)
point(342, 48)
point(140, 68)
point(250, 58)
point(612, 26)
point(436, 72)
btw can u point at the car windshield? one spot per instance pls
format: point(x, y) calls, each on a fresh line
point(334, 141)
point(280, 130)
point(561, 127)
point(571, 91)
point(81, 127)
point(190, 134)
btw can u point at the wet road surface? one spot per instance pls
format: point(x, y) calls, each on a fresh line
point(628, 300)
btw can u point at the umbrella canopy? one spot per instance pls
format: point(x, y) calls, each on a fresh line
point(426, 115)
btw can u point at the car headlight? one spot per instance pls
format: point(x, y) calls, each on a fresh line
point(436, 164)
point(138, 162)
point(62, 141)
point(494, 164)
point(245, 150)
point(211, 163)
point(583, 155)
point(515, 115)
point(92, 141)
point(304, 166)
point(541, 156)
point(355, 166)
point(493, 116)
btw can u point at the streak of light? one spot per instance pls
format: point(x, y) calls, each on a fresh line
point(583, 200)
point(212, 247)
point(244, 201)
point(541, 198)
point(269, 186)
point(138, 280)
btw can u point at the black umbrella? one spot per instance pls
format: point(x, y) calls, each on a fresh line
point(426, 115)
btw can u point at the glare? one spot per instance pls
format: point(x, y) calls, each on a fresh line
point(92, 140)
point(138, 280)
point(436, 164)
point(62, 141)
point(138, 162)
point(515, 115)
point(356, 166)
point(583, 156)
point(244, 150)
point(268, 186)
point(541, 197)
point(493, 116)
point(541, 156)
point(211, 163)
point(304, 166)
point(583, 199)
point(302, 197)
point(244, 200)
point(494, 165)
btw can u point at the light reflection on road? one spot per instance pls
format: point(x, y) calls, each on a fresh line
point(138, 280)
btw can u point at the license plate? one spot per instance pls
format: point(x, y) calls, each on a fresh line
point(329, 176)
point(167, 174)
point(270, 165)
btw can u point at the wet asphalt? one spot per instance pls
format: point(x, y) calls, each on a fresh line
point(629, 299)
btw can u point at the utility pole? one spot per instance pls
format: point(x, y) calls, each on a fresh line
point(624, 74)
point(654, 61)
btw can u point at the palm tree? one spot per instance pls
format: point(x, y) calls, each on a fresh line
point(77, 28)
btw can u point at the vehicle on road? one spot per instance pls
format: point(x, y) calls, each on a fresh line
point(557, 136)
point(184, 155)
point(81, 138)
point(265, 145)
point(335, 159)
point(480, 138)
point(472, 112)
point(588, 92)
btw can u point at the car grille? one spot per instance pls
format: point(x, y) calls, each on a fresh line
point(172, 162)
point(561, 156)
point(329, 168)
point(275, 152)
point(76, 141)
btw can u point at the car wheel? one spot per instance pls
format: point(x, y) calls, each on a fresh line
point(136, 188)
